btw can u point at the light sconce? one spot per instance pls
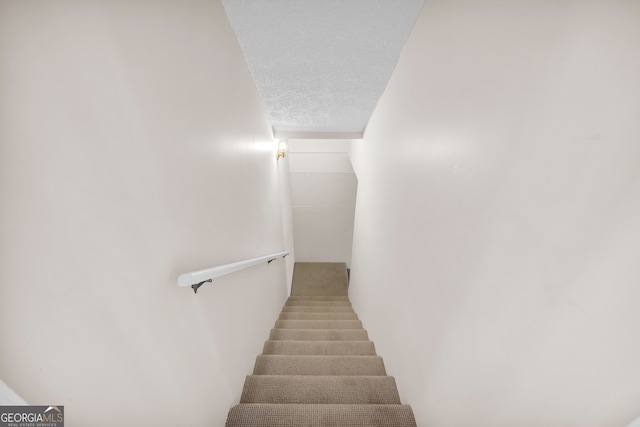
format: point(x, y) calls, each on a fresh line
point(282, 150)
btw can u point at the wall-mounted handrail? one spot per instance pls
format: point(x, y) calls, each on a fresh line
point(195, 279)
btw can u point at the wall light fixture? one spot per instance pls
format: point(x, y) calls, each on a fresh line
point(282, 150)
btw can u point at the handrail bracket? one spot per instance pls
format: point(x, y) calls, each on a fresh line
point(195, 286)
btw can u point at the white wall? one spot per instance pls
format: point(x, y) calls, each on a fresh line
point(8, 397)
point(133, 147)
point(323, 197)
point(497, 226)
point(287, 216)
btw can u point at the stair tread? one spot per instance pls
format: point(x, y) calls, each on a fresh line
point(300, 315)
point(319, 334)
point(318, 347)
point(318, 308)
point(320, 389)
point(317, 415)
point(345, 303)
point(318, 324)
point(278, 364)
point(318, 298)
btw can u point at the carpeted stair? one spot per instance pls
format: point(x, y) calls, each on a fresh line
point(319, 367)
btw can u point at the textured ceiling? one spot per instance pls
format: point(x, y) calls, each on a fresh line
point(320, 66)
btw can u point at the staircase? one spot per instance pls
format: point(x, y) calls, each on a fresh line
point(318, 367)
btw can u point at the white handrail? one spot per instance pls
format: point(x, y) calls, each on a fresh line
point(195, 279)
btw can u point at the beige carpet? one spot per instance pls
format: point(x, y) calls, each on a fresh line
point(318, 367)
point(320, 278)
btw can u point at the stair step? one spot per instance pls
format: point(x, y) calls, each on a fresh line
point(346, 303)
point(320, 389)
point(313, 415)
point(301, 315)
point(319, 334)
point(318, 324)
point(319, 348)
point(317, 298)
point(317, 309)
point(267, 364)
point(319, 367)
